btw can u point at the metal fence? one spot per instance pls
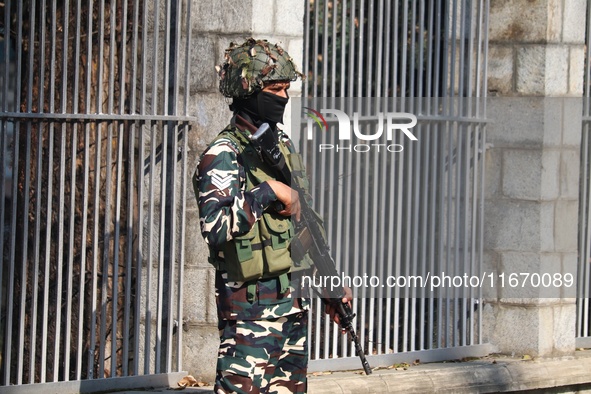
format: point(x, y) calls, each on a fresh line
point(584, 271)
point(416, 212)
point(93, 123)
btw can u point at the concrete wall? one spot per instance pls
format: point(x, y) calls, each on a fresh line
point(536, 63)
point(215, 24)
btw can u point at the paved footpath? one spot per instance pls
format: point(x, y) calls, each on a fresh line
point(491, 374)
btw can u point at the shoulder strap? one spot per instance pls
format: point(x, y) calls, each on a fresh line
point(230, 134)
point(242, 145)
point(233, 133)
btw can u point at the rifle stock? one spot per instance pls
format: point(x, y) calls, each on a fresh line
point(311, 238)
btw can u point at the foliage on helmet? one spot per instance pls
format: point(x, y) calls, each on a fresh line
point(248, 66)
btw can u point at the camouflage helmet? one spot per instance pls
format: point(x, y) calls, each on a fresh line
point(248, 66)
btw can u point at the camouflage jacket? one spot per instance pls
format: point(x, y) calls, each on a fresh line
point(226, 211)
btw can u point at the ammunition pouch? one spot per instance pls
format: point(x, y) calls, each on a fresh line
point(262, 252)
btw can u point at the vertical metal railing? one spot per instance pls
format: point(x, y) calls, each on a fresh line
point(412, 213)
point(584, 271)
point(94, 122)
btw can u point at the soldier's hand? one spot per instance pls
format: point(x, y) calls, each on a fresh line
point(332, 309)
point(288, 197)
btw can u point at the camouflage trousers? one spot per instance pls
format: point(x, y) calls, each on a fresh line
point(263, 356)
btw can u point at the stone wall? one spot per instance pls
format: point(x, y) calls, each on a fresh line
point(536, 47)
point(215, 25)
point(536, 63)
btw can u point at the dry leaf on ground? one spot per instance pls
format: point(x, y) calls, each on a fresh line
point(190, 381)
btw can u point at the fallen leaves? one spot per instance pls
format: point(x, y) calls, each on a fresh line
point(321, 373)
point(190, 381)
point(400, 366)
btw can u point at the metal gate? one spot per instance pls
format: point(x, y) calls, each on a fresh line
point(93, 127)
point(416, 213)
point(583, 337)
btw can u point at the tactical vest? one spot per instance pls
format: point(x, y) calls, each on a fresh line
point(263, 252)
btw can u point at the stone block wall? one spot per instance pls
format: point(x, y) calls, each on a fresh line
point(535, 67)
point(531, 214)
point(536, 47)
point(216, 23)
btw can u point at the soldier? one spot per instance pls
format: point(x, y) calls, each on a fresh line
point(262, 315)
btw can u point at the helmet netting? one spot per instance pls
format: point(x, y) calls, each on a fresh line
point(248, 66)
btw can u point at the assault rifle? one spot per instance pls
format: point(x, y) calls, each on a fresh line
point(310, 235)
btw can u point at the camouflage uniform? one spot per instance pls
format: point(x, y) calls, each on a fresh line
point(262, 335)
point(269, 354)
point(262, 319)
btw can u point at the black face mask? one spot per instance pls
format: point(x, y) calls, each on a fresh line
point(271, 107)
point(262, 107)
